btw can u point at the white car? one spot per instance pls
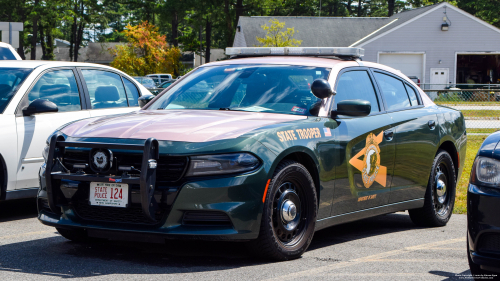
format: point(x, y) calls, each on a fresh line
point(37, 97)
point(7, 52)
point(160, 77)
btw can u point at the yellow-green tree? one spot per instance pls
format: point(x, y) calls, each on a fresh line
point(146, 52)
point(278, 37)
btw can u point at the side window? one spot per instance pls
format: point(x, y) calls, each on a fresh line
point(354, 85)
point(59, 87)
point(412, 95)
point(132, 92)
point(105, 89)
point(394, 91)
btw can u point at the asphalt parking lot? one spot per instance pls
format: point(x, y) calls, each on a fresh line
point(388, 247)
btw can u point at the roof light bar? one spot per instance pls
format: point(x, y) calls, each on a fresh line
point(296, 51)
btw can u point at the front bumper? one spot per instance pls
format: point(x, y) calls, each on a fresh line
point(239, 198)
point(483, 226)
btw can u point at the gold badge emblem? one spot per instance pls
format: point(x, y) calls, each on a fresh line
point(370, 166)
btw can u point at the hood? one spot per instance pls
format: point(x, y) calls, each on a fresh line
point(176, 125)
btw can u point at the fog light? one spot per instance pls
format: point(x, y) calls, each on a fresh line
point(152, 164)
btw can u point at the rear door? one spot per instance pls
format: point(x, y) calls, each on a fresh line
point(61, 87)
point(366, 157)
point(108, 92)
point(415, 136)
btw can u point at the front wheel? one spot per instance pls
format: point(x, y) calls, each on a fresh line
point(440, 195)
point(289, 216)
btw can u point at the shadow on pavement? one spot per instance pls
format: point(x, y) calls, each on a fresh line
point(18, 209)
point(466, 275)
point(370, 227)
point(56, 256)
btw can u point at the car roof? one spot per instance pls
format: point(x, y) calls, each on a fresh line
point(38, 63)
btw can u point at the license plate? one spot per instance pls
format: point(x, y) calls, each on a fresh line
point(108, 194)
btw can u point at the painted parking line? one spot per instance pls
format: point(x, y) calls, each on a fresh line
point(373, 258)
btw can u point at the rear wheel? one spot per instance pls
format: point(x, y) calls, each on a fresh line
point(440, 195)
point(289, 216)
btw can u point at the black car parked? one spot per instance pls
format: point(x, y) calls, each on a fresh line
point(483, 205)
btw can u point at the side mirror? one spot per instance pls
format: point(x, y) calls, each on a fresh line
point(321, 89)
point(143, 100)
point(40, 106)
point(353, 108)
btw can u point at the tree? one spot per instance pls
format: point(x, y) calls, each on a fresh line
point(276, 37)
point(146, 52)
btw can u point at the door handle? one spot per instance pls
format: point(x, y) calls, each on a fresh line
point(389, 135)
point(432, 124)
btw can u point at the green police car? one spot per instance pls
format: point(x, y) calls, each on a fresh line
point(264, 148)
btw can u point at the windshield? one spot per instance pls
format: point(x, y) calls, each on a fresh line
point(257, 88)
point(146, 82)
point(10, 81)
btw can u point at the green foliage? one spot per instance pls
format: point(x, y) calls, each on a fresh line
point(277, 37)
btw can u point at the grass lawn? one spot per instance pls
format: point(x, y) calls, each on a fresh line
point(481, 113)
point(473, 144)
point(461, 102)
point(481, 130)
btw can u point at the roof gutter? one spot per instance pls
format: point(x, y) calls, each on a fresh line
point(367, 36)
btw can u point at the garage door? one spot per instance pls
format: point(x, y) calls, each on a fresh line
point(408, 64)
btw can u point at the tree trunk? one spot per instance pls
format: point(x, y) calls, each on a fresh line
point(20, 50)
point(391, 7)
point(34, 37)
point(175, 29)
point(73, 33)
point(359, 8)
point(229, 25)
point(239, 11)
point(78, 41)
point(335, 8)
point(42, 41)
point(50, 45)
point(208, 39)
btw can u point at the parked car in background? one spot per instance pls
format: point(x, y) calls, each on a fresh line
point(415, 80)
point(483, 199)
point(160, 78)
point(7, 52)
point(162, 86)
point(258, 148)
point(37, 97)
point(147, 82)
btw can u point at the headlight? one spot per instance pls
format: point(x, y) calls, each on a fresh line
point(222, 164)
point(487, 170)
point(45, 152)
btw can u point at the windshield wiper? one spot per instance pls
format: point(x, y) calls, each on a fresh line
point(229, 108)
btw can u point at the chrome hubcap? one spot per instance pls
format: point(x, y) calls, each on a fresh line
point(440, 186)
point(441, 190)
point(288, 211)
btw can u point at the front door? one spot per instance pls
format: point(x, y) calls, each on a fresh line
point(365, 149)
point(415, 135)
point(59, 87)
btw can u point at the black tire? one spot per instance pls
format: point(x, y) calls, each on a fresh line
point(287, 235)
point(438, 204)
point(75, 235)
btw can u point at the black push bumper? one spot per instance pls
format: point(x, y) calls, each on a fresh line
point(55, 171)
point(483, 223)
